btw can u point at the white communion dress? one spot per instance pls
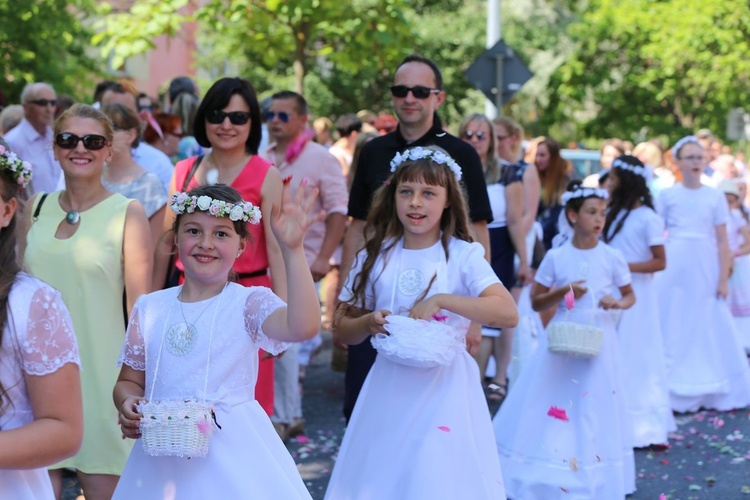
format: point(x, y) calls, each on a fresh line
point(639, 333)
point(38, 340)
point(705, 361)
point(739, 281)
point(246, 458)
point(420, 432)
point(563, 431)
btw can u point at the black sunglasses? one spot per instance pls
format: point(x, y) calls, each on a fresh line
point(418, 91)
point(44, 102)
point(235, 117)
point(469, 134)
point(283, 116)
point(92, 142)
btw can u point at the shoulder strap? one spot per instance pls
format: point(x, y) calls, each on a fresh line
point(39, 206)
point(191, 174)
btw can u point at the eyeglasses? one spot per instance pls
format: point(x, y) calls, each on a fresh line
point(418, 91)
point(176, 134)
point(282, 115)
point(235, 117)
point(501, 137)
point(92, 142)
point(470, 134)
point(44, 102)
point(692, 158)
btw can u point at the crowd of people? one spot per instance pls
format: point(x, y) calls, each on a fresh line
point(157, 257)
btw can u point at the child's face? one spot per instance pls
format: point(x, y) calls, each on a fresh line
point(419, 207)
point(589, 220)
point(691, 161)
point(612, 181)
point(734, 201)
point(208, 246)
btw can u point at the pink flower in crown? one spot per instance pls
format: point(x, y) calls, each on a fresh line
point(255, 215)
point(215, 208)
point(2, 149)
point(193, 203)
point(181, 198)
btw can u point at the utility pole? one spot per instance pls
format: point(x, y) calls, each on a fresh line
point(495, 33)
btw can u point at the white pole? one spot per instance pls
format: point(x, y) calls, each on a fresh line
point(494, 33)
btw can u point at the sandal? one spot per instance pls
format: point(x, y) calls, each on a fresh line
point(497, 392)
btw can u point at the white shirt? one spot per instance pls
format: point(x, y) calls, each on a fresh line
point(154, 161)
point(36, 149)
point(642, 230)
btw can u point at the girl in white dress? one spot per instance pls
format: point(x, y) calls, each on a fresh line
point(41, 413)
point(563, 431)
point(200, 341)
point(420, 432)
point(738, 234)
point(633, 227)
point(705, 362)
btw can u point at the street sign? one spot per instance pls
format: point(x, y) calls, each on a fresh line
point(498, 64)
point(738, 125)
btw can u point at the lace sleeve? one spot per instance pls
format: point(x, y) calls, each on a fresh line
point(133, 351)
point(50, 341)
point(260, 304)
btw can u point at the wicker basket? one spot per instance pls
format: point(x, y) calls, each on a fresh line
point(174, 428)
point(575, 339)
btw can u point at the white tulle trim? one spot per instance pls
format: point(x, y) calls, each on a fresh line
point(418, 343)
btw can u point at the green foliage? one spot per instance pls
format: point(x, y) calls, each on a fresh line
point(45, 40)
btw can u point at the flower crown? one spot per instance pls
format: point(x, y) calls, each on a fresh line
point(21, 169)
point(690, 139)
point(583, 192)
point(420, 153)
point(245, 211)
point(636, 169)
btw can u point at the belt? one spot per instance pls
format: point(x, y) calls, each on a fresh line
point(254, 274)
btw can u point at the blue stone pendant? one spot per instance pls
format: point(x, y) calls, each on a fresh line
point(73, 217)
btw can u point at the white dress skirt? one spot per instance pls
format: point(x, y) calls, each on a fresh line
point(644, 375)
point(739, 298)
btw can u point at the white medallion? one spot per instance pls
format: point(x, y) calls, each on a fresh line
point(411, 282)
point(181, 339)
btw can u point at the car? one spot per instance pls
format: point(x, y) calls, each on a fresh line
point(585, 161)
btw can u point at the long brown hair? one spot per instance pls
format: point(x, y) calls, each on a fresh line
point(490, 163)
point(384, 229)
point(554, 178)
point(9, 261)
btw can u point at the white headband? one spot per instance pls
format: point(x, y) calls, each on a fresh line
point(644, 172)
point(420, 153)
point(682, 142)
point(583, 192)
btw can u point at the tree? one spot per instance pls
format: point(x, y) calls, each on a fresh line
point(45, 40)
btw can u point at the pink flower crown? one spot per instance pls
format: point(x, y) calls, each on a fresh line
point(21, 169)
point(245, 211)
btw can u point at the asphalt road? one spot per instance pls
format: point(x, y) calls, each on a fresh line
point(708, 456)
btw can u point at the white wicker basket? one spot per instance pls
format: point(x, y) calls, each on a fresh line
point(173, 428)
point(575, 339)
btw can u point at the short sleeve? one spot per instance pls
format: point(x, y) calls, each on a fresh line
point(545, 275)
point(476, 272)
point(721, 210)
point(510, 174)
point(347, 293)
point(660, 204)
point(261, 302)
point(133, 351)
point(620, 270)
point(655, 234)
point(50, 341)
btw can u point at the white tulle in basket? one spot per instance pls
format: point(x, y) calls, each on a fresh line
point(175, 428)
point(418, 343)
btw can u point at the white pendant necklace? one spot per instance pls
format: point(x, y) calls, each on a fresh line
point(181, 337)
point(212, 176)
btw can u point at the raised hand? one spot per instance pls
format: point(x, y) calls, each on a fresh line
point(290, 221)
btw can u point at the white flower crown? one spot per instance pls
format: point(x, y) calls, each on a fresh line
point(644, 172)
point(420, 153)
point(21, 169)
point(583, 192)
point(245, 211)
point(690, 139)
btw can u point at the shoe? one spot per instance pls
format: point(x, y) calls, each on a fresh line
point(282, 430)
point(497, 392)
point(296, 428)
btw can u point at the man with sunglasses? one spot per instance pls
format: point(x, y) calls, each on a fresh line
point(32, 138)
point(294, 153)
point(416, 95)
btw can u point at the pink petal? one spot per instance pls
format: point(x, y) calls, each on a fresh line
point(558, 413)
point(439, 317)
point(570, 299)
point(662, 497)
point(303, 439)
point(204, 426)
point(444, 428)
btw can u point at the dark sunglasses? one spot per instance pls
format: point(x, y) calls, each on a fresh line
point(44, 102)
point(417, 91)
point(92, 142)
point(235, 117)
point(469, 134)
point(283, 116)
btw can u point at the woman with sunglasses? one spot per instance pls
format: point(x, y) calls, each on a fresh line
point(507, 236)
point(228, 121)
point(91, 245)
point(123, 175)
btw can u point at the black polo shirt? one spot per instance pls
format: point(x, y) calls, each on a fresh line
point(374, 168)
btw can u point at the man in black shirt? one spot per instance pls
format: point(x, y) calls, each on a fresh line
point(417, 94)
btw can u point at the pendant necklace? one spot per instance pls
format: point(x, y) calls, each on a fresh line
point(73, 217)
point(181, 338)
